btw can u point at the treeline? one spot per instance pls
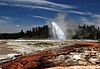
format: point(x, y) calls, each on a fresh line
point(83, 32)
point(87, 32)
point(34, 33)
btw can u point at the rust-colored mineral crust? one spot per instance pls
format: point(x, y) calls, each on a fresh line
point(80, 54)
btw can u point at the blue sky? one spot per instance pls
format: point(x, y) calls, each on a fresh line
point(24, 14)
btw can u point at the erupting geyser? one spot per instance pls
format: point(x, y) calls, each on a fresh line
point(57, 32)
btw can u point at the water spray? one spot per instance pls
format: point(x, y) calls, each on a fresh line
point(57, 32)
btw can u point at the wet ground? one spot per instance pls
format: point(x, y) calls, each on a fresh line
point(11, 48)
point(53, 54)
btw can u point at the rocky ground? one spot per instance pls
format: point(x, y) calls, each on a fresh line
point(50, 54)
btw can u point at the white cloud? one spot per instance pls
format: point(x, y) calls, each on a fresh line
point(85, 20)
point(4, 20)
point(76, 12)
point(8, 26)
point(93, 19)
point(13, 28)
point(5, 17)
point(39, 4)
point(17, 25)
point(41, 17)
point(97, 17)
point(46, 8)
point(31, 6)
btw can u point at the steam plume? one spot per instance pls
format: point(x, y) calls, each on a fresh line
point(66, 24)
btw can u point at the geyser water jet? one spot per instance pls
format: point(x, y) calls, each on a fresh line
point(62, 26)
point(57, 32)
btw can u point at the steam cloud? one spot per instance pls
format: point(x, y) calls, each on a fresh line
point(66, 24)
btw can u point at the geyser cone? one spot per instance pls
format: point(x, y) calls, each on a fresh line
point(57, 32)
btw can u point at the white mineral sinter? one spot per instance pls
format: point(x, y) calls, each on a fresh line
point(76, 56)
point(5, 58)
